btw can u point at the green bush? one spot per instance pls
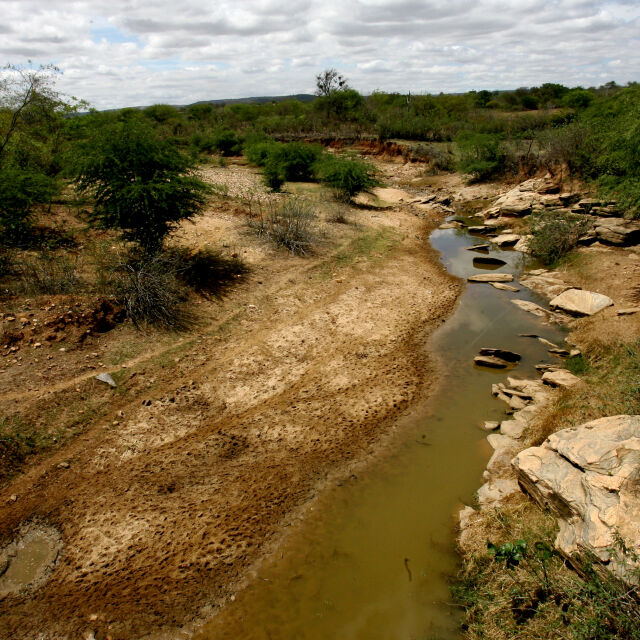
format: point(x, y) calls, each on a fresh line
point(259, 149)
point(20, 189)
point(297, 160)
point(554, 234)
point(347, 176)
point(481, 155)
point(273, 174)
point(288, 225)
point(227, 142)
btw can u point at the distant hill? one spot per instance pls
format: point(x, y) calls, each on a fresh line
point(302, 97)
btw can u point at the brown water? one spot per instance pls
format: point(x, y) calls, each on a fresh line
point(371, 561)
point(28, 560)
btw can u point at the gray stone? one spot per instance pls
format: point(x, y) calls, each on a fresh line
point(478, 247)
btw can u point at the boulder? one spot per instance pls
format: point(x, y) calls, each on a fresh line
point(491, 277)
point(618, 231)
point(505, 448)
point(512, 428)
point(522, 245)
point(578, 302)
point(589, 477)
point(560, 378)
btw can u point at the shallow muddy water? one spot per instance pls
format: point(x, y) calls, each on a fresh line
point(372, 559)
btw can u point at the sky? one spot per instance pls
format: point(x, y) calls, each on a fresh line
point(119, 53)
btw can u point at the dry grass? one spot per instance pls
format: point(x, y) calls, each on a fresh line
point(540, 597)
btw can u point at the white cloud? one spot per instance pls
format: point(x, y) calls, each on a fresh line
point(125, 52)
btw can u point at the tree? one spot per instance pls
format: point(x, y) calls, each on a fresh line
point(32, 121)
point(330, 81)
point(140, 181)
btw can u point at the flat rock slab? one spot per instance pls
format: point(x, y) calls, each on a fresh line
point(488, 260)
point(506, 239)
point(483, 228)
point(578, 302)
point(491, 277)
point(451, 225)
point(504, 287)
point(509, 356)
point(490, 425)
point(629, 311)
point(490, 361)
point(478, 247)
point(560, 378)
point(588, 477)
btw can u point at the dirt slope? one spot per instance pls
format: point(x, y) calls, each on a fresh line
point(214, 439)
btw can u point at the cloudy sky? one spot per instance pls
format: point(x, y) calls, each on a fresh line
point(116, 52)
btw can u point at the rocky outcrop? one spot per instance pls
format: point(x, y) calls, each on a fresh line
point(589, 477)
point(618, 232)
point(578, 302)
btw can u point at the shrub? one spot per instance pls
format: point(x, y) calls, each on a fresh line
point(297, 160)
point(227, 142)
point(48, 273)
point(20, 189)
point(151, 292)
point(288, 225)
point(481, 155)
point(140, 182)
point(348, 176)
point(554, 234)
point(258, 150)
point(273, 174)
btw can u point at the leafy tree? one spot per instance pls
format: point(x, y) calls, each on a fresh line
point(33, 119)
point(140, 182)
